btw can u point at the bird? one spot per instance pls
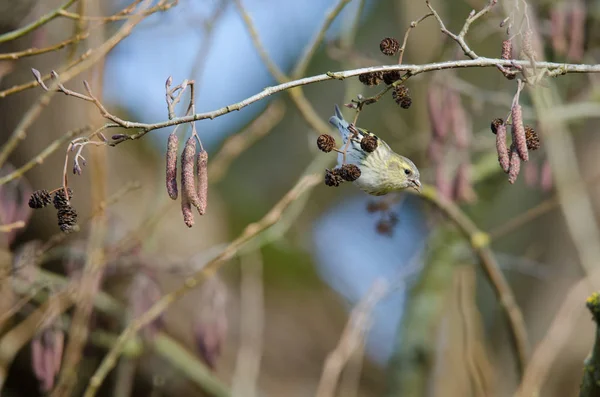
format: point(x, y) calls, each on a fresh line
point(381, 169)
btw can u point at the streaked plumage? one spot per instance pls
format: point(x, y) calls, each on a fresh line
point(383, 170)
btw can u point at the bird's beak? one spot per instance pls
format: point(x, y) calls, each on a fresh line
point(416, 184)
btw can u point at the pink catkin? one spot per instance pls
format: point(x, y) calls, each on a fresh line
point(531, 174)
point(501, 148)
point(188, 187)
point(188, 176)
point(463, 190)
point(171, 171)
point(435, 151)
point(506, 49)
point(557, 29)
point(202, 182)
point(443, 184)
point(576, 31)
point(546, 181)
point(37, 354)
point(460, 123)
point(515, 165)
point(518, 132)
point(437, 116)
point(186, 210)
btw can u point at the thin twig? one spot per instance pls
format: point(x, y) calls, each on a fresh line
point(304, 106)
point(38, 51)
point(311, 48)
point(351, 338)
point(547, 350)
point(35, 24)
point(412, 25)
point(238, 143)
point(95, 55)
point(247, 367)
point(412, 70)
point(9, 227)
point(44, 154)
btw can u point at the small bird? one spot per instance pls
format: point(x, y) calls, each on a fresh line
point(382, 170)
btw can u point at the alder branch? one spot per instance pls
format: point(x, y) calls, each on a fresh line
point(38, 51)
point(15, 34)
point(412, 70)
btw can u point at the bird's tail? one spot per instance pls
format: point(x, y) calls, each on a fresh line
point(337, 120)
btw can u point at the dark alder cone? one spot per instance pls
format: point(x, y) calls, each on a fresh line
point(372, 78)
point(350, 172)
point(60, 201)
point(67, 219)
point(390, 77)
point(405, 103)
point(326, 143)
point(385, 228)
point(368, 143)
point(401, 95)
point(532, 138)
point(495, 124)
point(40, 199)
point(389, 46)
point(332, 178)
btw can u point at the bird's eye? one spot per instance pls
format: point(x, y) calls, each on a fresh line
point(407, 171)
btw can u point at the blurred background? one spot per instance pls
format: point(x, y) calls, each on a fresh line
point(287, 315)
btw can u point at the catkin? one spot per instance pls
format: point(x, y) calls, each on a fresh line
point(188, 181)
point(202, 182)
point(501, 147)
point(515, 165)
point(518, 132)
point(506, 49)
point(186, 210)
point(171, 172)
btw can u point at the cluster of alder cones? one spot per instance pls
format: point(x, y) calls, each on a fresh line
point(524, 138)
point(347, 172)
point(67, 216)
point(390, 47)
point(194, 176)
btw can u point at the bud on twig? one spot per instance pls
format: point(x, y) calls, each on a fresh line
point(202, 172)
point(171, 172)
